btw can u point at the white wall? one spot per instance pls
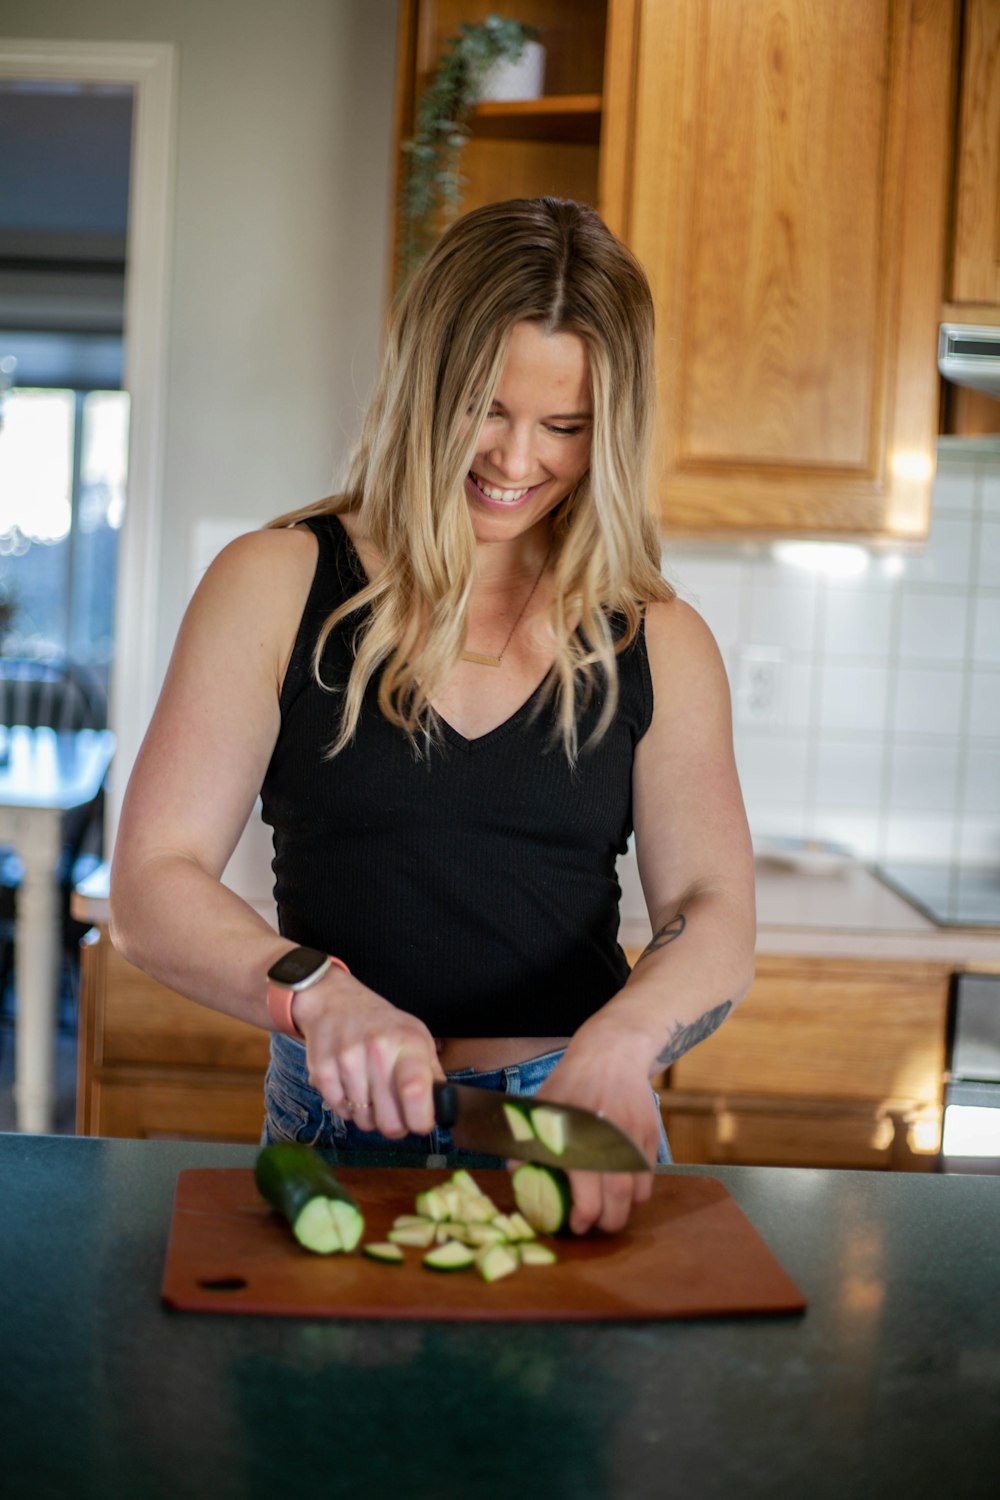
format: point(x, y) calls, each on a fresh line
point(279, 255)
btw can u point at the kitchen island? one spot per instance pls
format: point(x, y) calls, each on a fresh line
point(887, 1386)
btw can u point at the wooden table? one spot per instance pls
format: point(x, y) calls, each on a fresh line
point(42, 776)
point(887, 1388)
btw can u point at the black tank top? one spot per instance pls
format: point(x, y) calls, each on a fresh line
point(476, 887)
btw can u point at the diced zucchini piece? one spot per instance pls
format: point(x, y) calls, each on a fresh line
point(536, 1255)
point(522, 1230)
point(420, 1236)
point(451, 1256)
point(550, 1127)
point(432, 1205)
point(543, 1196)
point(518, 1123)
point(392, 1255)
point(496, 1261)
point(479, 1210)
point(506, 1228)
point(465, 1183)
point(485, 1234)
point(451, 1198)
point(407, 1221)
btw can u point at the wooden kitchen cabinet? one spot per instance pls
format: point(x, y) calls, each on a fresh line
point(781, 167)
point(974, 289)
point(151, 1063)
point(827, 1062)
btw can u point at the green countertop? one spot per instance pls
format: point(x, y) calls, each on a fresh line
point(888, 1386)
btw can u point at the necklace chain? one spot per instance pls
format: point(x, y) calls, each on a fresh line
point(481, 658)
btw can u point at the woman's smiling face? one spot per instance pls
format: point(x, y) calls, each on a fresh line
point(534, 446)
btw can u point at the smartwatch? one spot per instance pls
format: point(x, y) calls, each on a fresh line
point(294, 971)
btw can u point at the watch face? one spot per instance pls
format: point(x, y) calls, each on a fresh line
point(292, 968)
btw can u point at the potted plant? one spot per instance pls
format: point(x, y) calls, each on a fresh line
point(432, 181)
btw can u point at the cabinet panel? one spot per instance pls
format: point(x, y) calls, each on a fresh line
point(976, 259)
point(787, 196)
point(836, 1029)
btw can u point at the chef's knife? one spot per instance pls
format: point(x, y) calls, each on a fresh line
point(529, 1129)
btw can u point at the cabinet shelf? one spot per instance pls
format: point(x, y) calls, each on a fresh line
point(556, 117)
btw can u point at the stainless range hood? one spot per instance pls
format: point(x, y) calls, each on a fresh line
point(970, 355)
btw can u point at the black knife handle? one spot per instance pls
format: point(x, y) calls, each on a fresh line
point(445, 1105)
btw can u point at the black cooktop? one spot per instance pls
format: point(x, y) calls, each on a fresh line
point(951, 895)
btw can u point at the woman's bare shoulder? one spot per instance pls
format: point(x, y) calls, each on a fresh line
point(673, 626)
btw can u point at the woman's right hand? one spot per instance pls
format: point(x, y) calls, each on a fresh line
point(371, 1063)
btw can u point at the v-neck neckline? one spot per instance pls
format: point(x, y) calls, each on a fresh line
point(451, 734)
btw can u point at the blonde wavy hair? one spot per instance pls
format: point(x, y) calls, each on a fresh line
point(550, 262)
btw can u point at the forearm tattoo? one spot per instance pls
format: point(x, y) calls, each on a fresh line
point(686, 1037)
point(668, 933)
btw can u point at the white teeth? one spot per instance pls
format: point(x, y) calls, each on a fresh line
point(507, 497)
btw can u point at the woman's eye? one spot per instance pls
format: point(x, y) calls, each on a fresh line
point(564, 431)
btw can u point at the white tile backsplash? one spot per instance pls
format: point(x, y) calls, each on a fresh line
point(932, 627)
point(928, 700)
point(984, 702)
point(888, 737)
point(923, 777)
point(947, 557)
point(856, 624)
point(986, 631)
point(988, 555)
point(849, 774)
point(982, 779)
point(853, 698)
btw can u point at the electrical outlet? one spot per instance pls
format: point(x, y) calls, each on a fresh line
point(759, 686)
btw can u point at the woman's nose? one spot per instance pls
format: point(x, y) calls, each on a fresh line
point(511, 455)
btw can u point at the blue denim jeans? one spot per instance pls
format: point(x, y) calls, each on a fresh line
point(294, 1110)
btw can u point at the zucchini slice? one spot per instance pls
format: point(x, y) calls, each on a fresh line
point(550, 1127)
point(296, 1181)
point(543, 1196)
point(536, 1255)
point(451, 1256)
point(518, 1123)
point(391, 1255)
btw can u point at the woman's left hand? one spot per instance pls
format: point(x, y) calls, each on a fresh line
point(596, 1075)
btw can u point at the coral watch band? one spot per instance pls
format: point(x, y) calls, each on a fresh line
point(281, 996)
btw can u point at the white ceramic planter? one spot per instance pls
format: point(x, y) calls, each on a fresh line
point(524, 79)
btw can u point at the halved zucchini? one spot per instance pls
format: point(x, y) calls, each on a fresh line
point(297, 1182)
point(543, 1196)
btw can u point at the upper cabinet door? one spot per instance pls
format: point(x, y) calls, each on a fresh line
point(976, 262)
point(780, 167)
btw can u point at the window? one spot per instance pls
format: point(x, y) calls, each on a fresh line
point(63, 460)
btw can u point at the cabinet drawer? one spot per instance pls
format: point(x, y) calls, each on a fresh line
point(829, 1029)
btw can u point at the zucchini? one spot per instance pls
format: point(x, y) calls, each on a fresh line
point(451, 1256)
point(391, 1255)
point(543, 1196)
point(549, 1126)
point(496, 1261)
point(536, 1255)
point(296, 1181)
point(518, 1123)
point(418, 1236)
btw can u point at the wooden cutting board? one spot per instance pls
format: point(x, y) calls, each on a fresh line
point(689, 1252)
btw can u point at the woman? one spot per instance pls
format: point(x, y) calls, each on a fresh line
point(457, 687)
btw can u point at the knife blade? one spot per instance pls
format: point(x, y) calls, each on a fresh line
point(536, 1130)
